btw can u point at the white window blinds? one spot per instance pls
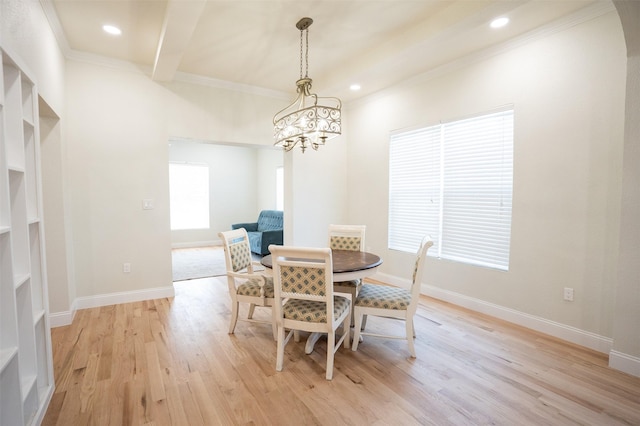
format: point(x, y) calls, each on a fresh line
point(454, 182)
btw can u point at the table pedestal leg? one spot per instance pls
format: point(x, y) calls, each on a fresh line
point(311, 341)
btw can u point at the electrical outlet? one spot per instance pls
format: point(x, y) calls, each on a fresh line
point(568, 294)
point(126, 268)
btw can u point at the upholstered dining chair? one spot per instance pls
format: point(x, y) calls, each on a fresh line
point(245, 284)
point(391, 302)
point(347, 237)
point(305, 301)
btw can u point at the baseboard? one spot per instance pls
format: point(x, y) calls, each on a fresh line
point(570, 334)
point(194, 244)
point(60, 319)
point(623, 362)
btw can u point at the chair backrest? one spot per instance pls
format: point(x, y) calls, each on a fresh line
point(418, 270)
point(237, 250)
point(302, 273)
point(347, 237)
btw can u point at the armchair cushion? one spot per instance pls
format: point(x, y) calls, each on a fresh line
point(267, 230)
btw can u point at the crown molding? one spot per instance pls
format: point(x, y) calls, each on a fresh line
point(587, 14)
point(584, 15)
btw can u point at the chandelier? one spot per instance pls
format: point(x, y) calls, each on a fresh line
point(310, 120)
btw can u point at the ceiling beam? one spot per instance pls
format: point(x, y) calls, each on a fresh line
point(180, 20)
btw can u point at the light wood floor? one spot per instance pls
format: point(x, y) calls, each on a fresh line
point(171, 361)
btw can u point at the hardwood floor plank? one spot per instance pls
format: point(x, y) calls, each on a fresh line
point(171, 362)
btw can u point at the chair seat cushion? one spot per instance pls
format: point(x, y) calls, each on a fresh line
point(252, 288)
point(350, 283)
point(383, 297)
point(311, 311)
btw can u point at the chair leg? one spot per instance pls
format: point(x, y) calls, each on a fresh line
point(356, 330)
point(346, 326)
point(331, 350)
point(410, 334)
point(280, 349)
point(274, 327)
point(252, 308)
point(364, 322)
point(234, 316)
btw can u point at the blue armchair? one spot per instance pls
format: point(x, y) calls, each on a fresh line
point(267, 230)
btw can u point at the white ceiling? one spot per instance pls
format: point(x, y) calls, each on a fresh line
point(256, 43)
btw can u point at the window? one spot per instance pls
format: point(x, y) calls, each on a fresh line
point(453, 181)
point(189, 196)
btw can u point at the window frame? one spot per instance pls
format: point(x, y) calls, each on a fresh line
point(431, 200)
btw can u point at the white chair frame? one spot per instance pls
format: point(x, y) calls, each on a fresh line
point(238, 276)
point(285, 257)
point(348, 231)
point(361, 312)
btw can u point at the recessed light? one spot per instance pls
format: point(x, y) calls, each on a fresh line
point(354, 87)
point(499, 22)
point(113, 30)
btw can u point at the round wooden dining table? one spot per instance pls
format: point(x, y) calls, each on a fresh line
point(347, 265)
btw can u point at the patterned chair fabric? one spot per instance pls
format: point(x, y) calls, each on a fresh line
point(312, 311)
point(253, 288)
point(339, 242)
point(245, 285)
point(383, 297)
point(347, 237)
point(310, 281)
point(304, 300)
point(240, 255)
point(391, 302)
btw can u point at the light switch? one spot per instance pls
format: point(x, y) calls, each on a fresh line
point(147, 204)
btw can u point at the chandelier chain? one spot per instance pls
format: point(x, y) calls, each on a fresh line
point(306, 54)
point(300, 53)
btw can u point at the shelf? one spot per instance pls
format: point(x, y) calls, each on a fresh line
point(8, 326)
point(38, 315)
point(15, 168)
point(27, 99)
point(4, 190)
point(27, 383)
point(6, 355)
point(13, 114)
point(29, 396)
point(20, 280)
point(19, 230)
point(11, 403)
point(26, 365)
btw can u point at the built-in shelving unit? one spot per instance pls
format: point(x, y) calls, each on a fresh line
point(26, 370)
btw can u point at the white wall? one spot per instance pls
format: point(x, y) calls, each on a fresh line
point(118, 156)
point(317, 193)
point(24, 29)
point(625, 355)
point(567, 90)
point(241, 184)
